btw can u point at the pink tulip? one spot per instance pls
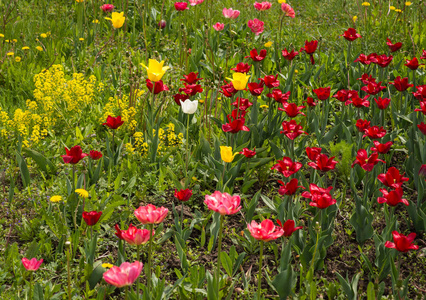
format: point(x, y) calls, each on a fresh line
point(150, 214)
point(265, 231)
point(107, 7)
point(123, 275)
point(195, 2)
point(224, 204)
point(136, 236)
point(288, 10)
point(219, 26)
point(229, 13)
point(181, 6)
point(31, 265)
point(256, 26)
point(262, 5)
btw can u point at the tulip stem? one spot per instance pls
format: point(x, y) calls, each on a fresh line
point(187, 146)
point(127, 290)
point(219, 247)
point(259, 275)
point(69, 273)
point(31, 284)
point(151, 227)
point(137, 281)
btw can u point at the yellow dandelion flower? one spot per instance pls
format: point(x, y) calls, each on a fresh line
point(81, 39)
point(1, 35)
point(194, 179)
point(398, 10)
point(354, 18)
point(392, 7)
point(264, 106)
point(201, 101)
point(96, 21)
point(408, 3)
point(17, 59)
point(10, 54)
point(365, 4)
point(268, 44)
point(43, 35)
point(55, 198)
point(25, 48)
point(14, 40)
point(107, 266)
point(82, 193)
point(39, 48)
point(281, 1)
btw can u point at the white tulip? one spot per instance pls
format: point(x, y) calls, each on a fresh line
point(188, 106)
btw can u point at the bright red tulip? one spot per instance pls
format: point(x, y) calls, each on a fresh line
point(191, 78)
point(289, 55)
point(31, 264)
point(124, 275)
point(288, 227)
point(420, 94)
point(180, 6)
point(270, 81)
point(313, 152)
point(310, 102)
point(255, 88)
point(150, 214)
point(322, 93)
point(265, 231)
point(95, 155)
point(223, 203)
point(363, 59)
point(382, 103)
point(366, 162)
point(292, 110)
point(402, 243)
point(134, 236)
point(287, 167)
point(235, 125)
point(320, 197)
point(374, 132)
point(423, 55)
point(158, 88)
point(113, 122)
point(310, 48)
point(373, 88)
point(107, 7)
point(422, 127)
point(381, 148)
point(392, 198)
point(382, 60)
point(74, 155)
point(180, 97)
point(323, 163)
point(191, 89)
point(351, 34)
point(118, 232)
point(412, 64)
point(401, 84)
point(92, 217)
point(279, 96)
point(289, 188)
point(366, 79)
point(242, 68)
point(242, 103)
point(344, 95)
point(183, 195)
point(393, 47)
point(257, 57)
point(422, 170)
point(292, 130)
point(392, 178)
point(422, 108)
point(362, 125)
point(359, 102)
point(248, 153)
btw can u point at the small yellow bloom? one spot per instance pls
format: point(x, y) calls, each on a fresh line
point(155, 70)
point(239, 80)
point(296, 71)
point(264, 106)
point(408, 3)
point(354, 18)
point(10, 54)
point(43, 35)
point(55, 199)
point(95, 21)
point(365, 4)
point(39, 48)
point(398, 10)
point(17, 59)
point(81, 39)
point(1, 35)
point(201, 101)
point(226, 154)
point(79, 1)
point(107, 266)
point(117, 19)
point(422, 66)
point(25, 48)
point(268, 44)
point(14, 40)
point(392, 7)
point(82, 193)
point(281, 1)
point(194, 178)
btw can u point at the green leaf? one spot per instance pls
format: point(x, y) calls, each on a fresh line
point(226, 263)
point(38, 292)
point(371, 294)
point(96, 276)
point(43, 163)
point(25, 174)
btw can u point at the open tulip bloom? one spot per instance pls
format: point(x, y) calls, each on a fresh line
point(124, 275)
point(402, 243)
point(31, 264)
point(155, 70)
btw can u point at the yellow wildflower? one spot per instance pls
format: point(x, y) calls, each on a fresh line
point(268, 44)
point(39, 48)
point(155, 70)
point(82, 193)
point(264, 106)
point(25, 48)
point(398, 10)
point(17, 59)
point(107, 266)
point(392, 7)
point(365, 4)
point(117, 19)
point(10, 54)
point(96, 21)
point(1, 35)
point(201, 101)
point(55, 198)
point(81, 39)
point(408, 3)
point(239, 80)
point(226, 154)
point(354, 18)
point(281, 1)
point(43, 35)
point(14, 40)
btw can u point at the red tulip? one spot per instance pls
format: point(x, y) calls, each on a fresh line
point(113, 122)
point(107, 7)
point(150, 214)
point(310, 101)
point(422, 108)
point(180, 6)
point(183, 195)
point(95, 155)
point(135, 236)
point(223, 203)
point(322, 93)
point(382, 103)
point(374, 132)
point(313, 152)
point(261, 6)
point(362, 125)
point(289, 188)
point(392, 178)
point(31, 264)
point(420, 94)
point(228, 89)
point(289, 55)
point(74, 155)
point(265, 231)
point(288, 227)
point(91, 218)
point(320, 197)
point(412, 64)
point(287, 167)
point(401, 84)
point(279, 96)
point(422, 170)
point(162, 24)
point(292, 110)
point(191, 78)
point(125, 275)
point(393, 47)
point(382, 60)
point(292, 130)
point(256, 26)
point(366, 79)
point(422, 127)
point(257, 57)
point(323, 163)
point(381, 148)
point(159, 86)
point(118, 232)
point(359, 102)
point(344, 95)
point(270, 81)
point(242, 68)
point(402, 243)
point(255, 88)
point(373, 88)
point(191, 89)
point(235, 125)
point(351, 35)
point(423, 55)
point(248, 153)
point(180, 97)
point(392, 198)
point(363, 59)
point(366, 162)
point(310, 48)
point(242, 103)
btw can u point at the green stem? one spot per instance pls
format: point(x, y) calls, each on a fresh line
point(69, 274)
point(219, 247)
point(151, 228)
point(187, 147)
point(31, 284)
point(259, 278)
point(127, 291)
point(137, 281)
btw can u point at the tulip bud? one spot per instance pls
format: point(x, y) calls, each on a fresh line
point(162, 24)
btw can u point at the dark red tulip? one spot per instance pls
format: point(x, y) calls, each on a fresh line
point(248, 153)
point(113, 122)
point(422, 127)
point(292, 110)
point(310, 102)
point(359, 102)
point(320, 197)
point(382, 60)
point(228, 89)
point(242, 68)
point(366, 162)
point(393, 47)
point(381, 148)
point(91, 218)
point(287, 167)
point(322, 93)
point(255, 88)
point(292, 130)
point(422, 108)
point(351, 34)
point(242, 103)
point(290, 188)
point(412, 64)
point(382, 103)
point(191, 78)
point(235, 125)
point(183, 195)
point(180, 97)
point(162, 24)
point(392, 198)
point(366, 79)
point(401, 84)
point(323, 163)
point(289, 55)
point(95, 155)
point(191, 89)
point(392, 178)
point(375, 132)
point(422, 171)
point(288, 227)
point(363, 59)
point(402, 243)
point(270, 81)
point(118, 232)
point(420, 94)
point(362, 125)
point(279, 96)
point(159, 86)
point(74, 155)
point(373, 88)
point(310, 48)
point(313, 152)
point(257, 57)
point(344, 95)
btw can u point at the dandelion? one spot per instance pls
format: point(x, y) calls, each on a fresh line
point(1, 35)
point(17, 59)
point(268, 44)
point(264, 106)
point(56, 199)
point(96, 21)
point(81, 39)
point(201, 101)
point(107, 266)
point(39, 48)
point(43, 35)
point(10, 54)
point(398, 11)
point(408, 3)
point(25, 48)
point(392, 7)
point(281, 1)
point(365, 4)
point(354, 18)
point(82, 193)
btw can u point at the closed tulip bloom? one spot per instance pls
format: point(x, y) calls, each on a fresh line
point(313, 152)
point(155, 70)
point(229, 13)
point(392, 198)
point(289, 55)
point(95, 155)
point(310, 48)
point(189, 107)
point(107, 7)
point(323, 163)
point(381, 148)
point(287, 167)
point(366, 162)
point(239, 80)
point(412, 64)
point(158, 88)
point(73, 155)
point(322, 93)
point(310, 102)
point(117, 19)
point(180, 6)
point(248, 153)
point(392, 178)
point(92, 217)
point(288, 10)
point(292, 110)
point(195, 2)
point(351, 35)
point(401, 84)
point(223, 203)
point(150, 214)
point(256, 26)
point(402, 243)
point(218, 26)
point(289, 188)
point(162, 24)
point(226, 154)
point(135, 236)
point(113, 122)
point(288, 227)
point(31, 264)
point(382, 103)
point(261, 6)
point(265, 231)
point(393, 47)
point(292, 130)
point(125, 275)
point(183, 195)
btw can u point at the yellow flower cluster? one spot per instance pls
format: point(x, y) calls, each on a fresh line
point(120, 107)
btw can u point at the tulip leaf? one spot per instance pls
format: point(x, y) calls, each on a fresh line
point(96, 276)
point(25, 173)
point(38, 292)
point(43, 163)
point(371, 294)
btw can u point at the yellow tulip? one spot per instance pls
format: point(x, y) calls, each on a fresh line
point(155, 70)
point(226, 154)
point(117, 19)
point(354, 18)
point(239, 80)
